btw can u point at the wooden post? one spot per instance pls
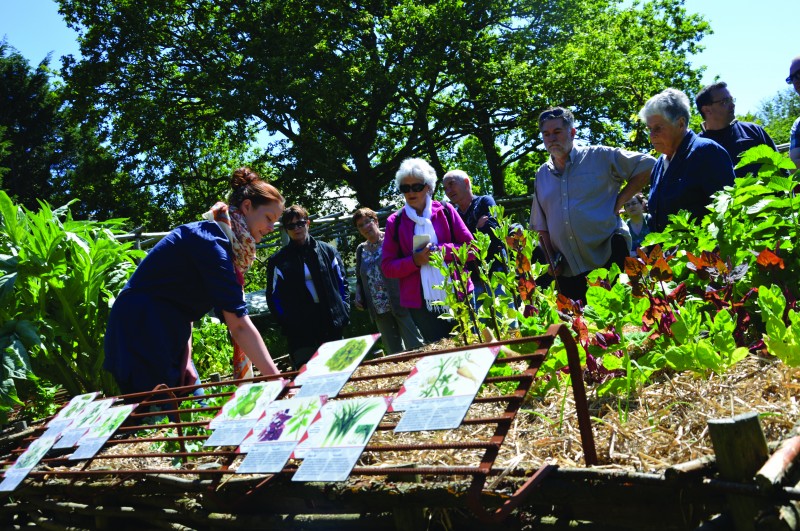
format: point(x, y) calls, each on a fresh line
point(741, 449)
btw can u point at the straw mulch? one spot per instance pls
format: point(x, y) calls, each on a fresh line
point(663, 424)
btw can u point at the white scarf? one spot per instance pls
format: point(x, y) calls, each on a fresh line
point(430, 276)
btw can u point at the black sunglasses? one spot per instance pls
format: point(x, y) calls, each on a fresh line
point(790, 79)
point(416, 187)
point(296, 224)
point(549, 115)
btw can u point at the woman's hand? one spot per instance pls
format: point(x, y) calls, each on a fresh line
point(423, 256)
point(249, 338)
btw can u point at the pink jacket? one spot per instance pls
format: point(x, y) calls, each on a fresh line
point(396, 260)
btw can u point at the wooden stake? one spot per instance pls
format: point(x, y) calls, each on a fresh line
point(741, 449)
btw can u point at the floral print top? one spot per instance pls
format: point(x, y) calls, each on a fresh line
point(372, 277)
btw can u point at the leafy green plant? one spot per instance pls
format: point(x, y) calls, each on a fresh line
point(782, 340)
point(759, 213)
point(189, 415)
point(58, 278)
point(457, 299)
point(212, 350)
point(498, 307)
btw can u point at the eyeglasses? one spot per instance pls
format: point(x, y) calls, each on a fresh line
point(632, 202)
point(364, 224)
point(724, 101)
point(296, 225)
point(416, 187)
point(794, 77)
point(549, 115)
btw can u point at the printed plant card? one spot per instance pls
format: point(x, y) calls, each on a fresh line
point(440, 389)
point(273, 439)
point(88, 417)
point(94, 439)
point(248, 403)
point(14, 475)
point(69, 413)
point(331, 366)
point(338, 436)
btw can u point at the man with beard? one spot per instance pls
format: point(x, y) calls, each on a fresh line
point(578, 195)
point(717, 106)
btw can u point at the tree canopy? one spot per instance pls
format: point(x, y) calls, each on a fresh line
point(778, 113)
point(29, 121)
point(346, 90)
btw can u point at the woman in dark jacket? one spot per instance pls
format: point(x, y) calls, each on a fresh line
point(307, 289)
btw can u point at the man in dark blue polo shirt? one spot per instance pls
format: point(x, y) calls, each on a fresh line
point(717, 106)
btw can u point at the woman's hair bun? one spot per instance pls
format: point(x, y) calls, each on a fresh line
point(242, 177)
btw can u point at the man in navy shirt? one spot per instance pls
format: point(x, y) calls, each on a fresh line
point(690, 169)
point(717, 106)
point(474, 210)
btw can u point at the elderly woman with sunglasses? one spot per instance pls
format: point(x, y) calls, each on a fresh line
point(423, 217)
point(307, 289)
point(378, 294)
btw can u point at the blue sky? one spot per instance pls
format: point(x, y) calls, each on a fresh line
point(751, 47)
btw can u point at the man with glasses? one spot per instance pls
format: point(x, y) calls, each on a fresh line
point(579, 192)
point(717, 108)
point(794, 136)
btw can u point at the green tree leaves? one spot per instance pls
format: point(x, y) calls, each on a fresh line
point(348, 90)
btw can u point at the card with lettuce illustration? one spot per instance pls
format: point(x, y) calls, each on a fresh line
point(337, 356)
point(333, 363)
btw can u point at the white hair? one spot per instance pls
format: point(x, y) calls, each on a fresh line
point(418, 168)
point(671, 104)
point(461, 175)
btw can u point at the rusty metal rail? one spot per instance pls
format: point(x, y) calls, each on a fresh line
point(489, 420)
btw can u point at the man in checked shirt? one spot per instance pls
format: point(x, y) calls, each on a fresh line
point(578, 195)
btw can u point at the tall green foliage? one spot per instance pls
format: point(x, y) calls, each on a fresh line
point(58, 277)
point(759, 213)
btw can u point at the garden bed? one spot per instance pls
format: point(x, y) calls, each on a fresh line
point(655, 462)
